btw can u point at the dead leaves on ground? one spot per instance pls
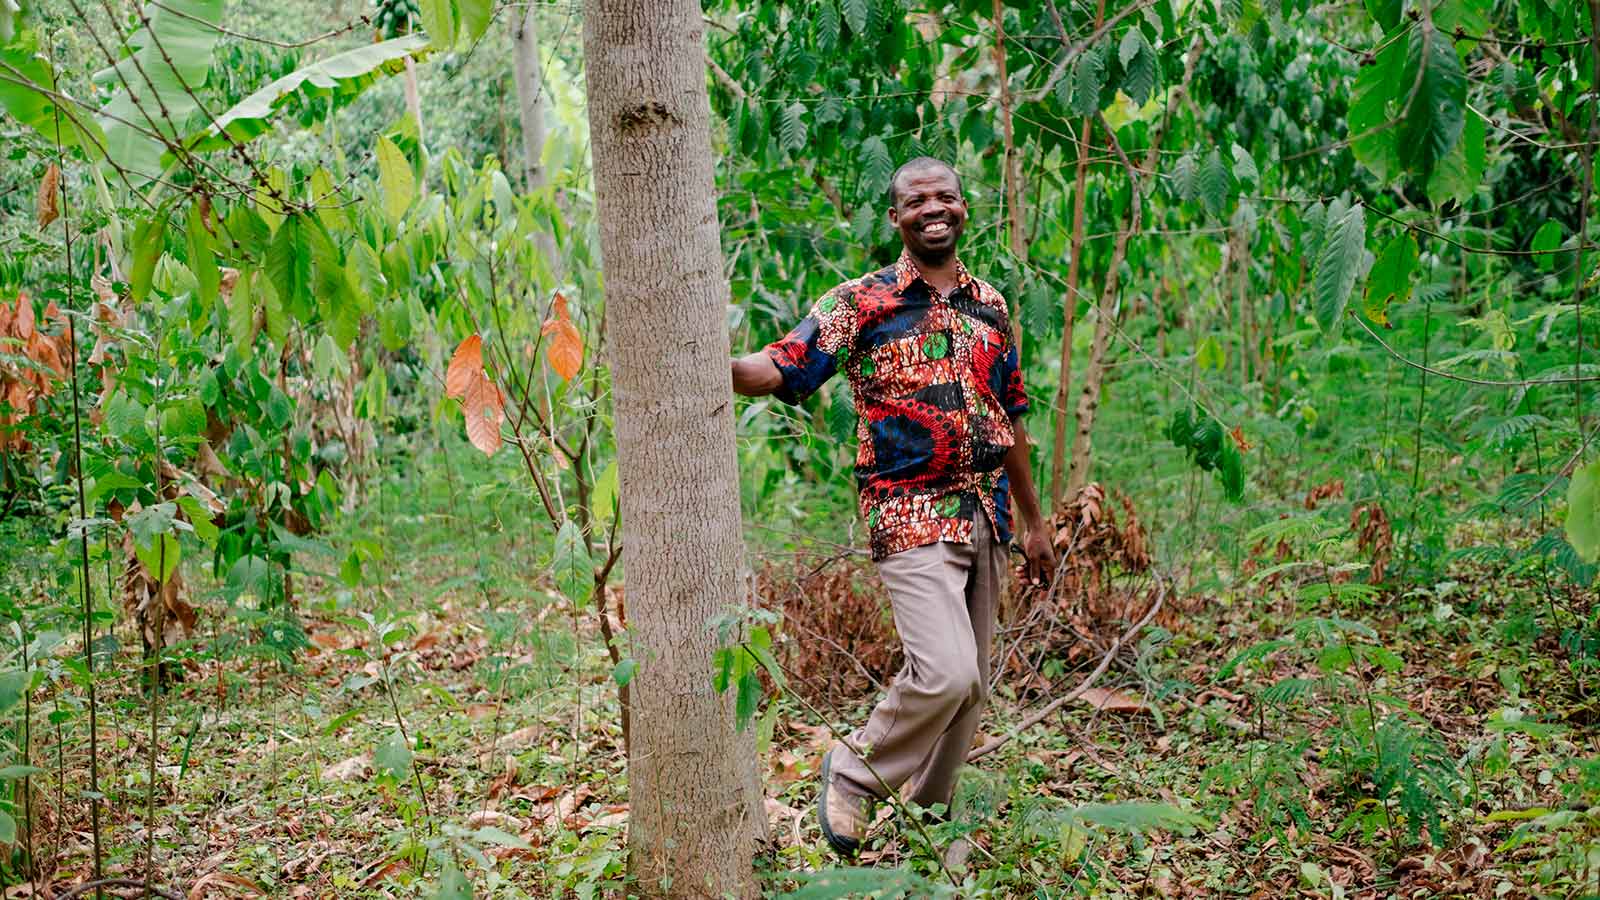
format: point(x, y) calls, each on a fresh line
point(482, 403)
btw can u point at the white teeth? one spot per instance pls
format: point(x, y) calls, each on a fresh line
point(937, 228)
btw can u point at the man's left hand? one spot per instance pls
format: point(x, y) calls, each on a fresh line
point(1040, 555)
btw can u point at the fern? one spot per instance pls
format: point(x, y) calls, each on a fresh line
point(1500, 433)
point(1138, 817)
point(889, 884)
point(1252, 654)
point(1289, 690)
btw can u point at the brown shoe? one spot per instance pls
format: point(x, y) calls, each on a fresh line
point(842, 815)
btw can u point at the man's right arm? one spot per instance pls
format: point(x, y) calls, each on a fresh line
point(756, 375)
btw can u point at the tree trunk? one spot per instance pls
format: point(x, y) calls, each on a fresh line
point(529, 76)
point(692, 821)
point(414, 98)
point(1058, 450)
point(530, 97)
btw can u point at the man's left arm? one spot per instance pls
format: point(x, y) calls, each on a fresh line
point(1036, 543)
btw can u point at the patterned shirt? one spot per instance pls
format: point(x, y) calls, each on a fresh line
point(936, 383)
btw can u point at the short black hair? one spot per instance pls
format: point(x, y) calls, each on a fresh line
point(920, 162)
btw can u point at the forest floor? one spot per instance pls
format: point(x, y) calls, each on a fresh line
point(1312, 768)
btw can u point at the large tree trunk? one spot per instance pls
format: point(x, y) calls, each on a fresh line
point(691, 827)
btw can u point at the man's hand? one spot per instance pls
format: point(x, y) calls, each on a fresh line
point(755, 375)
point(1040, 554)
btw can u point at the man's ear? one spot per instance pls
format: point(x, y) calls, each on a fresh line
point(894, 217)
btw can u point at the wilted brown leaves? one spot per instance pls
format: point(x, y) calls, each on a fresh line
point(48, 203)
point(38, 361)
point(564, 350)
point(481, 401)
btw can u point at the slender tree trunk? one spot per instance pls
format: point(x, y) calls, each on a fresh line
point(413, 96)
point(529, 76)
point(1058, 450)
point(691, 831)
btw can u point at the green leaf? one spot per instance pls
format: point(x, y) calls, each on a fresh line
point(202, 259)
point(273, 313)
point(8, 828)
point(1210, 354)
point(242, 314)
point(153, 88)
point(825, 26)
point(1244, 166)
point(439, 21)
point(10, 12)
point(1458, 175)
point(792, 127)
point(475, 17)
point(452, 885)
point(1385, 12)
point(1583, 512)
point(13, 683)
point(26, 95)
point(1370, 130)
point(1338, 265)
point(396, 179)
point(603, 499)
point(572, 567)
point(855, 15)
point(289, 267)
point(1214, 181)
point(199, 519)
point(1546, 239)
point(1088, 78)
point(1138, 67)
point(320, 88)
point(1435, 101)
point(1139, 817)
point(1390, 278)
point(326, 198)
point(394, 754)
point(624, 671)
point(745, 702)
point(16, 773)
point(160, 556)
point(148, 239)
point(877, 167)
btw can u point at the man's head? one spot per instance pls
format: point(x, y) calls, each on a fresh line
point(927, 205)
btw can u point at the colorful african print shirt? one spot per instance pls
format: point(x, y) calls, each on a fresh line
point(936, 383)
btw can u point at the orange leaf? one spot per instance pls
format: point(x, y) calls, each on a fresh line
point(484, 411)
point(49, 190)
point(466, 367)
point(1238, 439)
point(564, 352)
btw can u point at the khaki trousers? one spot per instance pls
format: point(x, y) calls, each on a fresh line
point(944, 597)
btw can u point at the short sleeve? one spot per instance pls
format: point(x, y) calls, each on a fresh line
point(810, 354)
point(1013, 395)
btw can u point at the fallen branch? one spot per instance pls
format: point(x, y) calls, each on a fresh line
point(1088, 682)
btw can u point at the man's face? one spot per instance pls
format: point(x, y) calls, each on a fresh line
point(929, 211)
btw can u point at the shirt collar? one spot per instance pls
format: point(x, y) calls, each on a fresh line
point(906, 271)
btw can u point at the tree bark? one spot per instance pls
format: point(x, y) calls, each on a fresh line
point(691, 831)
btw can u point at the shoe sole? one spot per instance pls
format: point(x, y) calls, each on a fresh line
point(841, 845)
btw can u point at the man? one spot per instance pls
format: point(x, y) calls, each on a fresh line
point(938, 391)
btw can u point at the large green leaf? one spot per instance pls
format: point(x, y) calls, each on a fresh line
point(1338, 265)
point(148, 239)
point(792, 127)
point(335, 82)
point(475, 18)
point(395, 177)
point(242, 314)
point(1390, 279)
point(439, 21)
point(877, 167)
point(1088, 78)
point(1583, 512)
point(289, 267)
point(1214, 181)
point(574, 571)
point(26, 86)
point(1385, 12)
point(825, 26)
point(855, 15)
point(153, 88)
point(202, 258)
point(1457, 176)
point(1434, 103)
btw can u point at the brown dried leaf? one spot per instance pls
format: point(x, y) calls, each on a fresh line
point(1238, 439)
point(466, 367)
point(348, 770)
point(229, 882)
point(22, 326)
point(564, 349)
point(48, 202)
point(1108, 700)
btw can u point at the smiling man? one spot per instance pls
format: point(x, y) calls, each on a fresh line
point(932, 366)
